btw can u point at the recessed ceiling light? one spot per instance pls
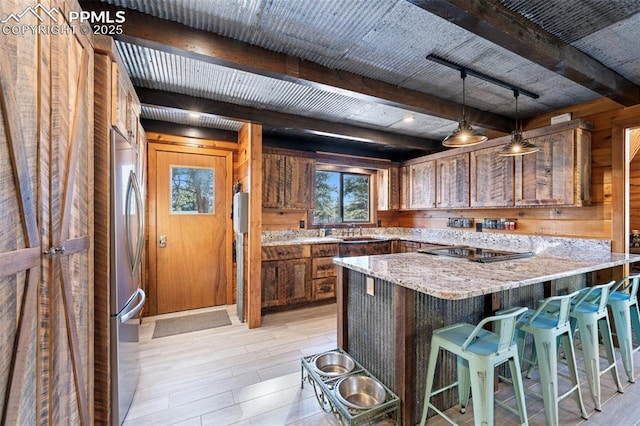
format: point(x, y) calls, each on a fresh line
point(409, 119)
point(194, 114)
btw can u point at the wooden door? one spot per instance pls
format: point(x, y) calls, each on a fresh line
point(46, 213)
point(491, 178)
point(453, 181)
point(193, 229)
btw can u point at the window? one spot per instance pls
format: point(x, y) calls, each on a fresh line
point(342, 197)
point(192, 190)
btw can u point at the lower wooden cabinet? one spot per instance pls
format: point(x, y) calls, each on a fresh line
point(285, 282)
point(324, 288)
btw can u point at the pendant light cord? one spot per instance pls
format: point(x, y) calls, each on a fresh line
point(516, 93)
point(463, 75)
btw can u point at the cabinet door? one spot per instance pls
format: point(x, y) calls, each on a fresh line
point(299, 183)
point(453, 181)
point(272, 180)
point(491, 178)
point(295, 286)
point(546, 177)
point(403, 186)
point(422, 185)
point(269, 277)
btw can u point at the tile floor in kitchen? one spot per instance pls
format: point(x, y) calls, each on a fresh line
point(234, 376)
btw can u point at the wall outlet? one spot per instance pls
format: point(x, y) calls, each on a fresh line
point(371, 288)
point(302, 224)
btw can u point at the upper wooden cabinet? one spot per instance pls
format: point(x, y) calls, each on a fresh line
point(452, 184)
point(422, 185)
point(491, 182)
point(559, 173)
point(288, 181)
point(388, 189)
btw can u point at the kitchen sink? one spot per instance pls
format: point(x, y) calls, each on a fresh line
point(359, 239)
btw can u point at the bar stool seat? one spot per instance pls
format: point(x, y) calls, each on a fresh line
point(623, 302)
point(547, 329)
point(478, 352)
point(589, 315)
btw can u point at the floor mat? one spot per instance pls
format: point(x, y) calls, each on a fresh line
point(188, 323)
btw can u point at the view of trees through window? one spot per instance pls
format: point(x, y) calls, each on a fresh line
point(341, 197)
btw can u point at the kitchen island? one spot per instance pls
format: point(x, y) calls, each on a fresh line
point(388, 306)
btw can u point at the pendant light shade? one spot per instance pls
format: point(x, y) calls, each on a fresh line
point(464, 135)
point(518, 144)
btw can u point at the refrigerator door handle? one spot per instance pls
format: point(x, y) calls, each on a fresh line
point(126, 316)
point(134, 254)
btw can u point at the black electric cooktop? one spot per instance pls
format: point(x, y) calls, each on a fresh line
point(476, 254)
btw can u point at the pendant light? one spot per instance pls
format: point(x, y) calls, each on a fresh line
point(518, 145)
point(464, 135)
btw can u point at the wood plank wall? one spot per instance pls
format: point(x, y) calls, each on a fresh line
point(248, 170)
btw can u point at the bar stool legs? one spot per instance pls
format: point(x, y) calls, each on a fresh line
point(546, 329)
point(623, 302)
point(478, 352)
point(590, 315)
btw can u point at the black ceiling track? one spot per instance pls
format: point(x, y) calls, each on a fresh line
point(482, 76)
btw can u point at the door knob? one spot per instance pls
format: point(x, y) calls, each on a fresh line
point(163, 241)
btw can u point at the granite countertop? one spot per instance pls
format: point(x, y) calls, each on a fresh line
point(455, 278)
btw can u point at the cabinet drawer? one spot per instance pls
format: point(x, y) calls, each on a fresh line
point(324, 250)
point(365, 249)
point(286, 252)
point(323, 267)
point(324, 288)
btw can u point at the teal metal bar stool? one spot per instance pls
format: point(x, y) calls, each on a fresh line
point(478, 352)
point(589, 314)
point(549, 329)
point(623, 302)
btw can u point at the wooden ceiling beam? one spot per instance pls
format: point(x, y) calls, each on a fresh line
point(175, 38)
point(492, 21)
point(282, 121)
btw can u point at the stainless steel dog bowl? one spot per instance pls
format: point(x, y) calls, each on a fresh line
point(333, 364)
point(360, 392)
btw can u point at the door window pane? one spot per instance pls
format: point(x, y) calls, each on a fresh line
point(192, 190)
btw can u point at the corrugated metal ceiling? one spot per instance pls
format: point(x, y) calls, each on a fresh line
point(386, 40)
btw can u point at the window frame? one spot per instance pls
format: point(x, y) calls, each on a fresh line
point(345, 170)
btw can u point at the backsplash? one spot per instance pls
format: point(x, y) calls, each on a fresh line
point(550, 246)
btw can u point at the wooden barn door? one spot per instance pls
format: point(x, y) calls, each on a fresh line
point(46, 215)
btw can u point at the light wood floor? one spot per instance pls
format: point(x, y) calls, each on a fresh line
point(234, 376)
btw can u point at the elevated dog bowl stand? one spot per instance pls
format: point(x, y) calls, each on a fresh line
point(324, 386)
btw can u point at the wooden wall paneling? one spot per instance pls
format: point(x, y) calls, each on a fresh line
point(620, 172)
point(102, 273)
point(250, 139)
point(280, 220)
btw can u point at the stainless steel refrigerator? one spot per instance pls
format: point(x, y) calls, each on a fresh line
point(127, 296)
